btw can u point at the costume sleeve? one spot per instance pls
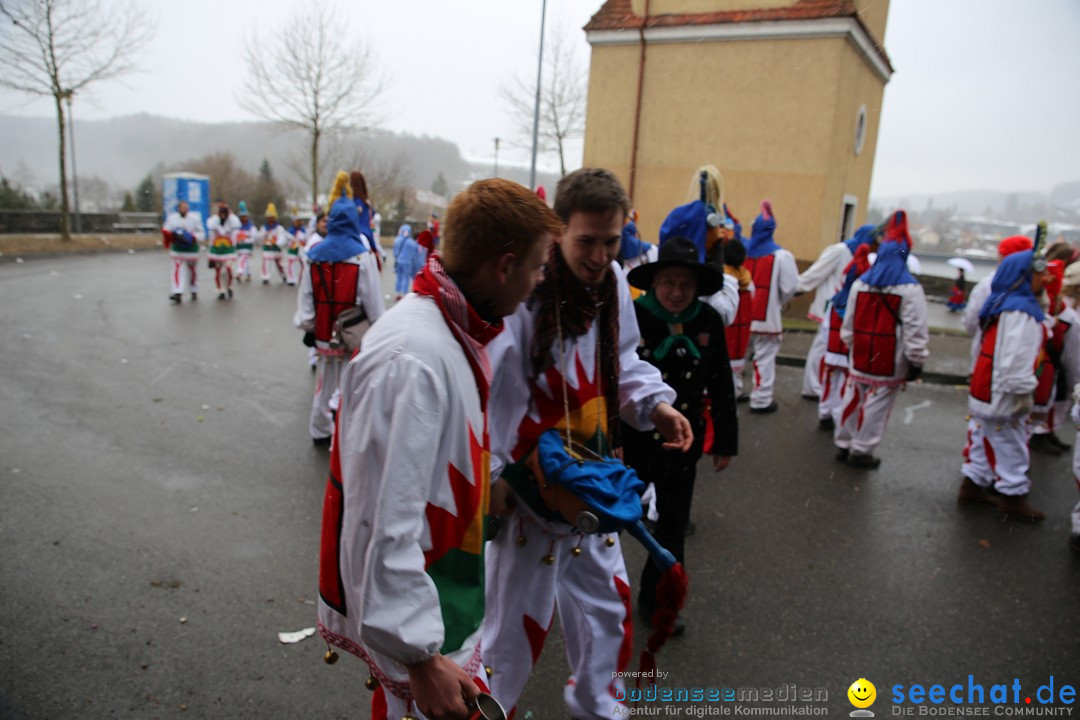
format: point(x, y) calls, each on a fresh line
point(976, 299)
point(305, 302)
point(1070, 354)
point(822, 269)
point(721, 389)
point(641, 388)
point(510, 396)
point(726, 300)
point(282, 237)
point(369, 289)
point(847, 328)
point(172, 222)
point(389, 430)
point(787, 276)
point(913, 315)
point(1019, 342)
point(195, 226)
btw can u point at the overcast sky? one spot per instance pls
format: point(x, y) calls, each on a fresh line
point(985, 94)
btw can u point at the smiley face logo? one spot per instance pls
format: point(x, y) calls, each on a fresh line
point(862, 693)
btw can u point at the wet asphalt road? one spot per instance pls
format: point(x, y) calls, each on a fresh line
point(160, 504)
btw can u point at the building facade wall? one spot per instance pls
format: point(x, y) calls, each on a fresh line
point(776, 116)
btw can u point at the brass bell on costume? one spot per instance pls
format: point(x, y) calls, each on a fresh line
point(576, 551)
point(488, 670)
point(521, 541)
point(371, 683)
point(408, 716)
point(610, 542)
point(330, 657)
point(549, 559)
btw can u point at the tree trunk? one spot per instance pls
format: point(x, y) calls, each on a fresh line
point(65, 233)
point(562, 161)
point(315, 168)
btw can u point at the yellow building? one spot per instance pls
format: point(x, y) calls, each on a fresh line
point(783, 96)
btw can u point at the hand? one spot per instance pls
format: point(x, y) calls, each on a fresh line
point(914, 372)
point(503, 500)
point(441, 689)
point(720, 462)
point(674, 426)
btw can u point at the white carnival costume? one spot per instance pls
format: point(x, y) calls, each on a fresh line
point(183, 234)
point(538, 562)
point(401, 574)
point(341, 273)
point(775, 277)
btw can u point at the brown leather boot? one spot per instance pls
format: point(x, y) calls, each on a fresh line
point(971, 493)
point(1017, 506)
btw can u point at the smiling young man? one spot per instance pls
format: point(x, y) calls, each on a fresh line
point(401, 576)
point(568, 356)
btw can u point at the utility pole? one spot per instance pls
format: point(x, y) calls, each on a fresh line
point(536, 110)
point(496, 173)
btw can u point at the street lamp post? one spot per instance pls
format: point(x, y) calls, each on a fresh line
point(68, 94)
point(496, 173)
point(536, 109)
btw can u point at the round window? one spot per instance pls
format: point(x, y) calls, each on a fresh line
point(860, 129)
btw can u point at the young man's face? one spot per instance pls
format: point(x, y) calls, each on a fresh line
point(523, 276)
point(320, 226)
point(676, 288)
point(182, 208)
point(590, 243)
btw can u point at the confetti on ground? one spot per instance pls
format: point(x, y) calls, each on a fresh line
point(295, 637)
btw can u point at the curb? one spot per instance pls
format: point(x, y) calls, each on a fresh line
point(937, 378)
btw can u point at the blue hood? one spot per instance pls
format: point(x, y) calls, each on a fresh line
point(342, 234)
point(890, 268)
point(761, 241)
point(862, 236)
point(1011, 288)
point(688, 221)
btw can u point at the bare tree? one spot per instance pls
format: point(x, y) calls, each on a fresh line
point(321, 85)
point(563, 96)
point(387, 174)
point(56, 48)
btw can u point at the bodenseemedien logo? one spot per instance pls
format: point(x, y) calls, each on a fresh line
point(862, 694)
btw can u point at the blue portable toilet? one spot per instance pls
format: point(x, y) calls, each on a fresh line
point(192, 187)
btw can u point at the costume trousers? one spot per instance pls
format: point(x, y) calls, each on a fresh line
point(327, 377)
point(385, 706)
point(292, 269)
point(832, 392)
point(996, 454)
point(737, 367)
point(243, 264)
point(674, 493)
point(276, 260)
point(863, 416)
point(592, 594)
point(815, 362)
point(185, 274)
point(765, 349)
point(223, 269)
point(403, 284)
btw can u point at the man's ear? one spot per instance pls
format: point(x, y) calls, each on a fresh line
point(504, 265)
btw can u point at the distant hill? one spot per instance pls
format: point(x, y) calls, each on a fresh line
point(121, 151)
point(1062, 204)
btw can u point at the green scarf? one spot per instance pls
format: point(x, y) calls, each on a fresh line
point(675, 321)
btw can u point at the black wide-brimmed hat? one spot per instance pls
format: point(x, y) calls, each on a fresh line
point(678, 252)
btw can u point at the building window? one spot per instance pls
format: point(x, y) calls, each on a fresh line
point(860, 129)
point(847, 217)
